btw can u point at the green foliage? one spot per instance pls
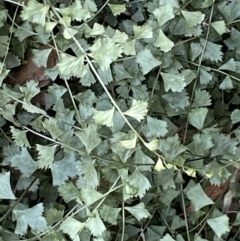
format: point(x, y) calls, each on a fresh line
point(140, 115)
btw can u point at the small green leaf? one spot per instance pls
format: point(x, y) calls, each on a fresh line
point(109, 214)
point(219, 225)
point(171, 147)
point(230, 10)
point(173, 82)
point(103, 46)
point(117, 8)
point(219, 26)
point(140, 182)
point(68, 192)
point(226, 84)
point(193, 18)
point(20, 137)
point(144, 31)
point(96, 225)
point(147, 61)
point(5, 186)
point(138, 211)
point(90, 196)
point(152, 145)
point(45, 155)
point(51, 125)
point(229, 65)
point(159, 165)
point(235, 116)
point(31, 217)
point(72, 227)
point(104, 117)
point(70, 66)
point(167, 237)
point(201, 98)
point(64, 169)
point(129, 144)
point(164, 43)
point(163, 14)
point(197, 117)
point(138, 110)
point(40, 57)
point(156, 128)
point(89, 137)
point(53, 216)
point(75, 11)
point(35, 12)
point(198, 197)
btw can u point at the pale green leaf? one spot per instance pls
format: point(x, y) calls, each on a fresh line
point(173, 82)
point(152, 145)
point(5, 186)
point(219, 225)
point(24, 183)
point(193, 18)
point(96, 225)
point(171, 147)
point(212, 51)
point(104, 117)
point(120, 37)
point(129, 47)
point(205, 76)
point(163, 14)
point(159, 165)
point(72, 227)
point(143, 161)
point(235, 116)
point(64, 169)
point(117, 8)
point(90, 196)
point(40, 57)
point(75, 11)
point(197, 117)
point(177, 100)
point(20, 138)
point(31, 217)
point(90, 175)
point(45, 155)
point(70, 66)
point(3, 17)
point(156, 128)
point(144, 31)
point(97, 30)
point(103, 46)
point(88, 79)
point(51, 125)
point(219, 26)
point(24, 31)
point(147, 61)
point(35, 12)
point(201, 98)
point(198, 197)
point(140, 182)
point(120, 72)
point(229, 65)
point(164, 43)
point(138, 211)
point(89, 137)
point(109, 214)
point(230, 10)
point(68, 192)
point(226, 84)
point(201, 144)
point(29, 91)
point(167, 237)
point(53, 216)
point(223, 145)
point(138, 110)
point(24, 162)
point(129, 144)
